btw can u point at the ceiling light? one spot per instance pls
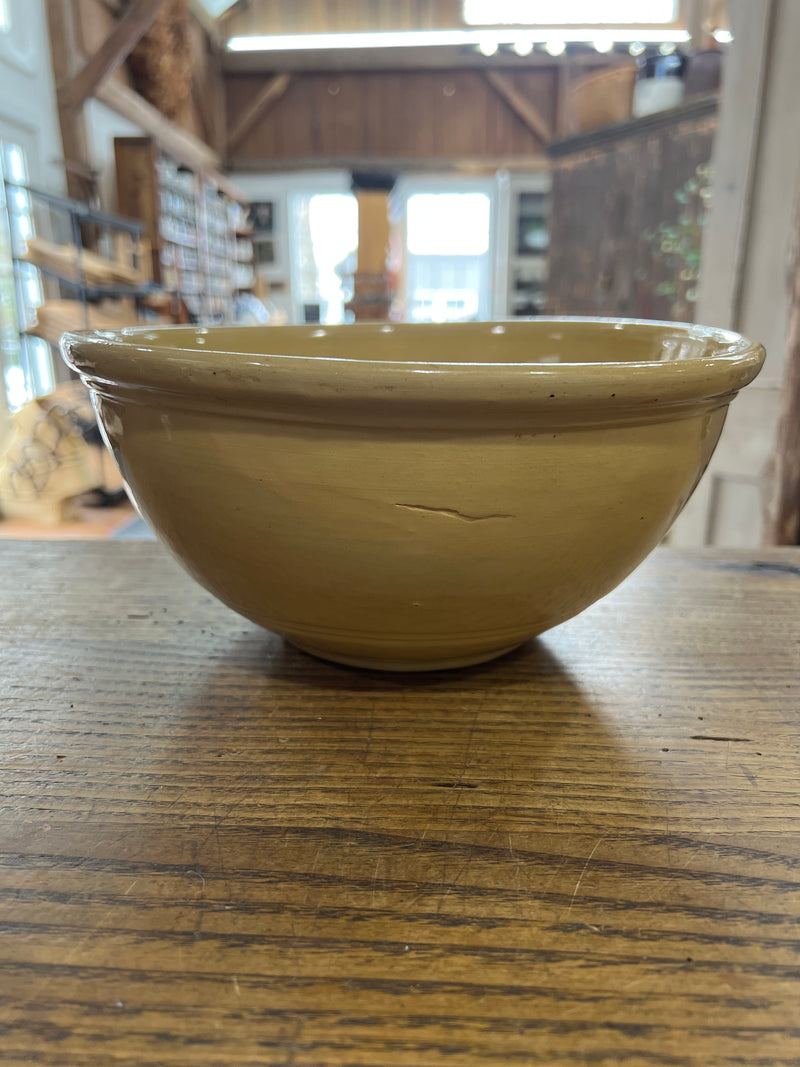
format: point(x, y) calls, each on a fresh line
point(603, 43)
point(487, 47)
point(667, 48)
point(555, 48)
point(723, 36)
point(636, 48)
point(454, 38)
point(523, 47)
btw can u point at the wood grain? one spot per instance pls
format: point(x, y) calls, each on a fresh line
point(217, 850)
point(270, 94)
point(782, 519)
point(365, 115)
point(520, 105)
point(115, 49)
point(612, 190)
point(343, 16)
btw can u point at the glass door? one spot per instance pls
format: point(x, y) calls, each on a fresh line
point(323, 239)
point(447, 269)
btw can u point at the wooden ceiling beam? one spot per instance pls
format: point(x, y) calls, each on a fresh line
point(209, 24)
point(269, 96)
point(180, 144)
point(520, 105)
point(391, 164)
point(116, 48)
point(62, 31)
point(345, 60)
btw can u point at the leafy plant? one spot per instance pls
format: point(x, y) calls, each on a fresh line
point(676, 245)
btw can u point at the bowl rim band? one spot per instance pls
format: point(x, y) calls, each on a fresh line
point(137, 363)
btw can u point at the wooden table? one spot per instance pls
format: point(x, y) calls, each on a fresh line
point(219, 851)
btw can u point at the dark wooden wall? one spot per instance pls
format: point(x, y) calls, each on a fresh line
point(343, 16)
point(340, 16)
point(395, 116)
point(626, 216)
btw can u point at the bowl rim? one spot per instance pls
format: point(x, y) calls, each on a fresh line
point(131, 363)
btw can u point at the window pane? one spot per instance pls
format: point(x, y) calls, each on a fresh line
point(567, 12)
point(448, 224)
point(324, 238)
point(26, 362)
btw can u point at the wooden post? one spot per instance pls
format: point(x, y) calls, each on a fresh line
point(218, 116)
point(66, 63)
point(782, 520)
point(564, 82)
point(725, 238)
point(372, 297)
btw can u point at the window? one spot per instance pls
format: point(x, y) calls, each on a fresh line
point(324, 239)
point(568, 12)
point(448, 224)
point(26, 363)
point(448, 256)
point(5, 17)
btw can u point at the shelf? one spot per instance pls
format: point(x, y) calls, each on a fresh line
point(56, 317)
point(694, 107)
point(82, 211)
point(92, 291)
point(79, 264)
point(205, 225)
point(529, 258)
point(186, 242)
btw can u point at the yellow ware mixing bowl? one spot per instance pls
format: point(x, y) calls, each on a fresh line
point(413, 497)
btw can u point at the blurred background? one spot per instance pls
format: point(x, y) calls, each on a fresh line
point(327, 161)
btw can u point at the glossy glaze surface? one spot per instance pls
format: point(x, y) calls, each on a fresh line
point(413, 497)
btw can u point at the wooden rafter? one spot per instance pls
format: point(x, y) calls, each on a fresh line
point(130, 29)
point(208, 23)
point(269, 96)
point(181, 144)
point(203, 106)
point(64, 51)
point(520, 105)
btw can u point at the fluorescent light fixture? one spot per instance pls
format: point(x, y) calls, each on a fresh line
point(311, 42)
point(555, 48)
point(577, 12)
point(603, 42)
point(723, 36)
point(523, 46)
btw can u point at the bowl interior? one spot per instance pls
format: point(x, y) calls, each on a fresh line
point(543, 341)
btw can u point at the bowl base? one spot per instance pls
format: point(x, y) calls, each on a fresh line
point(368, 663)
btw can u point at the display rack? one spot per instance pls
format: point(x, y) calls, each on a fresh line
point(45, 269)
point(193, 225)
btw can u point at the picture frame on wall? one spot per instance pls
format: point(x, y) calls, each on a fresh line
point(261, 219)
point(263, 252)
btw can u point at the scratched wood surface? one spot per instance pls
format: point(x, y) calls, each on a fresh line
point(215, 850)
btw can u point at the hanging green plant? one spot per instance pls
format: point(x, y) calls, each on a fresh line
point(676, 246)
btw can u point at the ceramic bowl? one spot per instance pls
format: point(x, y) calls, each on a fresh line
point(413, 497)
